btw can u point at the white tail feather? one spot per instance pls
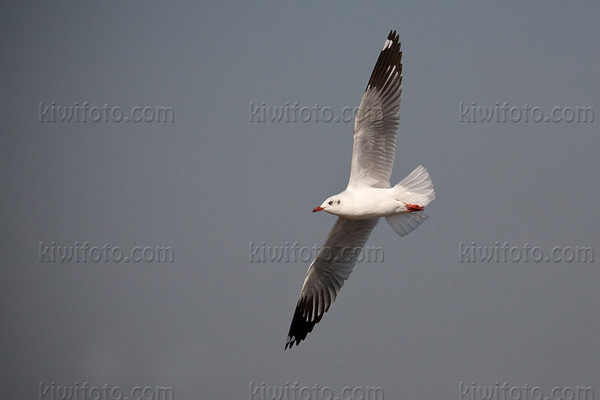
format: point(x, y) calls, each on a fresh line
point(416, 188)
point(406, 222)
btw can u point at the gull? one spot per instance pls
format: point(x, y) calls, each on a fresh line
point(368, 197)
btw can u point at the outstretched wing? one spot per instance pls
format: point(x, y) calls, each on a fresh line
point(377, 120)
point(327, 273)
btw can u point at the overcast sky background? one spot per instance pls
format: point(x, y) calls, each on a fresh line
point(213, 182)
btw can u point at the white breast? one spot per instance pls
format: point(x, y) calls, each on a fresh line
point(368, 202)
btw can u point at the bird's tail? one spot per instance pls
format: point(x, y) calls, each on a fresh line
point(417, 191)
point(416, 188)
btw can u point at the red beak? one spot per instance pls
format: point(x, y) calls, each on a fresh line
point(318, 209)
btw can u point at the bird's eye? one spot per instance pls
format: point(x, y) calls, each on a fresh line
point(331, 202)
point(339, 201)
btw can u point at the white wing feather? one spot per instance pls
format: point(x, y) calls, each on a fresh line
point(327, 273)
point(377, 120)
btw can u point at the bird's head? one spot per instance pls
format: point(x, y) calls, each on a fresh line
point(329, 205)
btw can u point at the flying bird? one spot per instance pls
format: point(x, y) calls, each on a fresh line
point(368, 196)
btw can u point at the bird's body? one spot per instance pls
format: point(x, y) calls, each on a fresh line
point(369, 202)
point(368, 196)
point(365, 203)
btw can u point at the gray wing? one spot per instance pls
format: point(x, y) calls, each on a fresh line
point(327, 273)
point(377, 120)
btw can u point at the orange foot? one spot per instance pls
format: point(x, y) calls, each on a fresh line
point(413, 207)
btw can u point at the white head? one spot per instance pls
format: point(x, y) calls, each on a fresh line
point(332, 205)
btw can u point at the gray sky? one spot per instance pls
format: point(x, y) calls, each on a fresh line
point(209, 184)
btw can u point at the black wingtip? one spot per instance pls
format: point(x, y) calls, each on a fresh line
point(301, 325)
point(390, 56)
point(299, 328)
